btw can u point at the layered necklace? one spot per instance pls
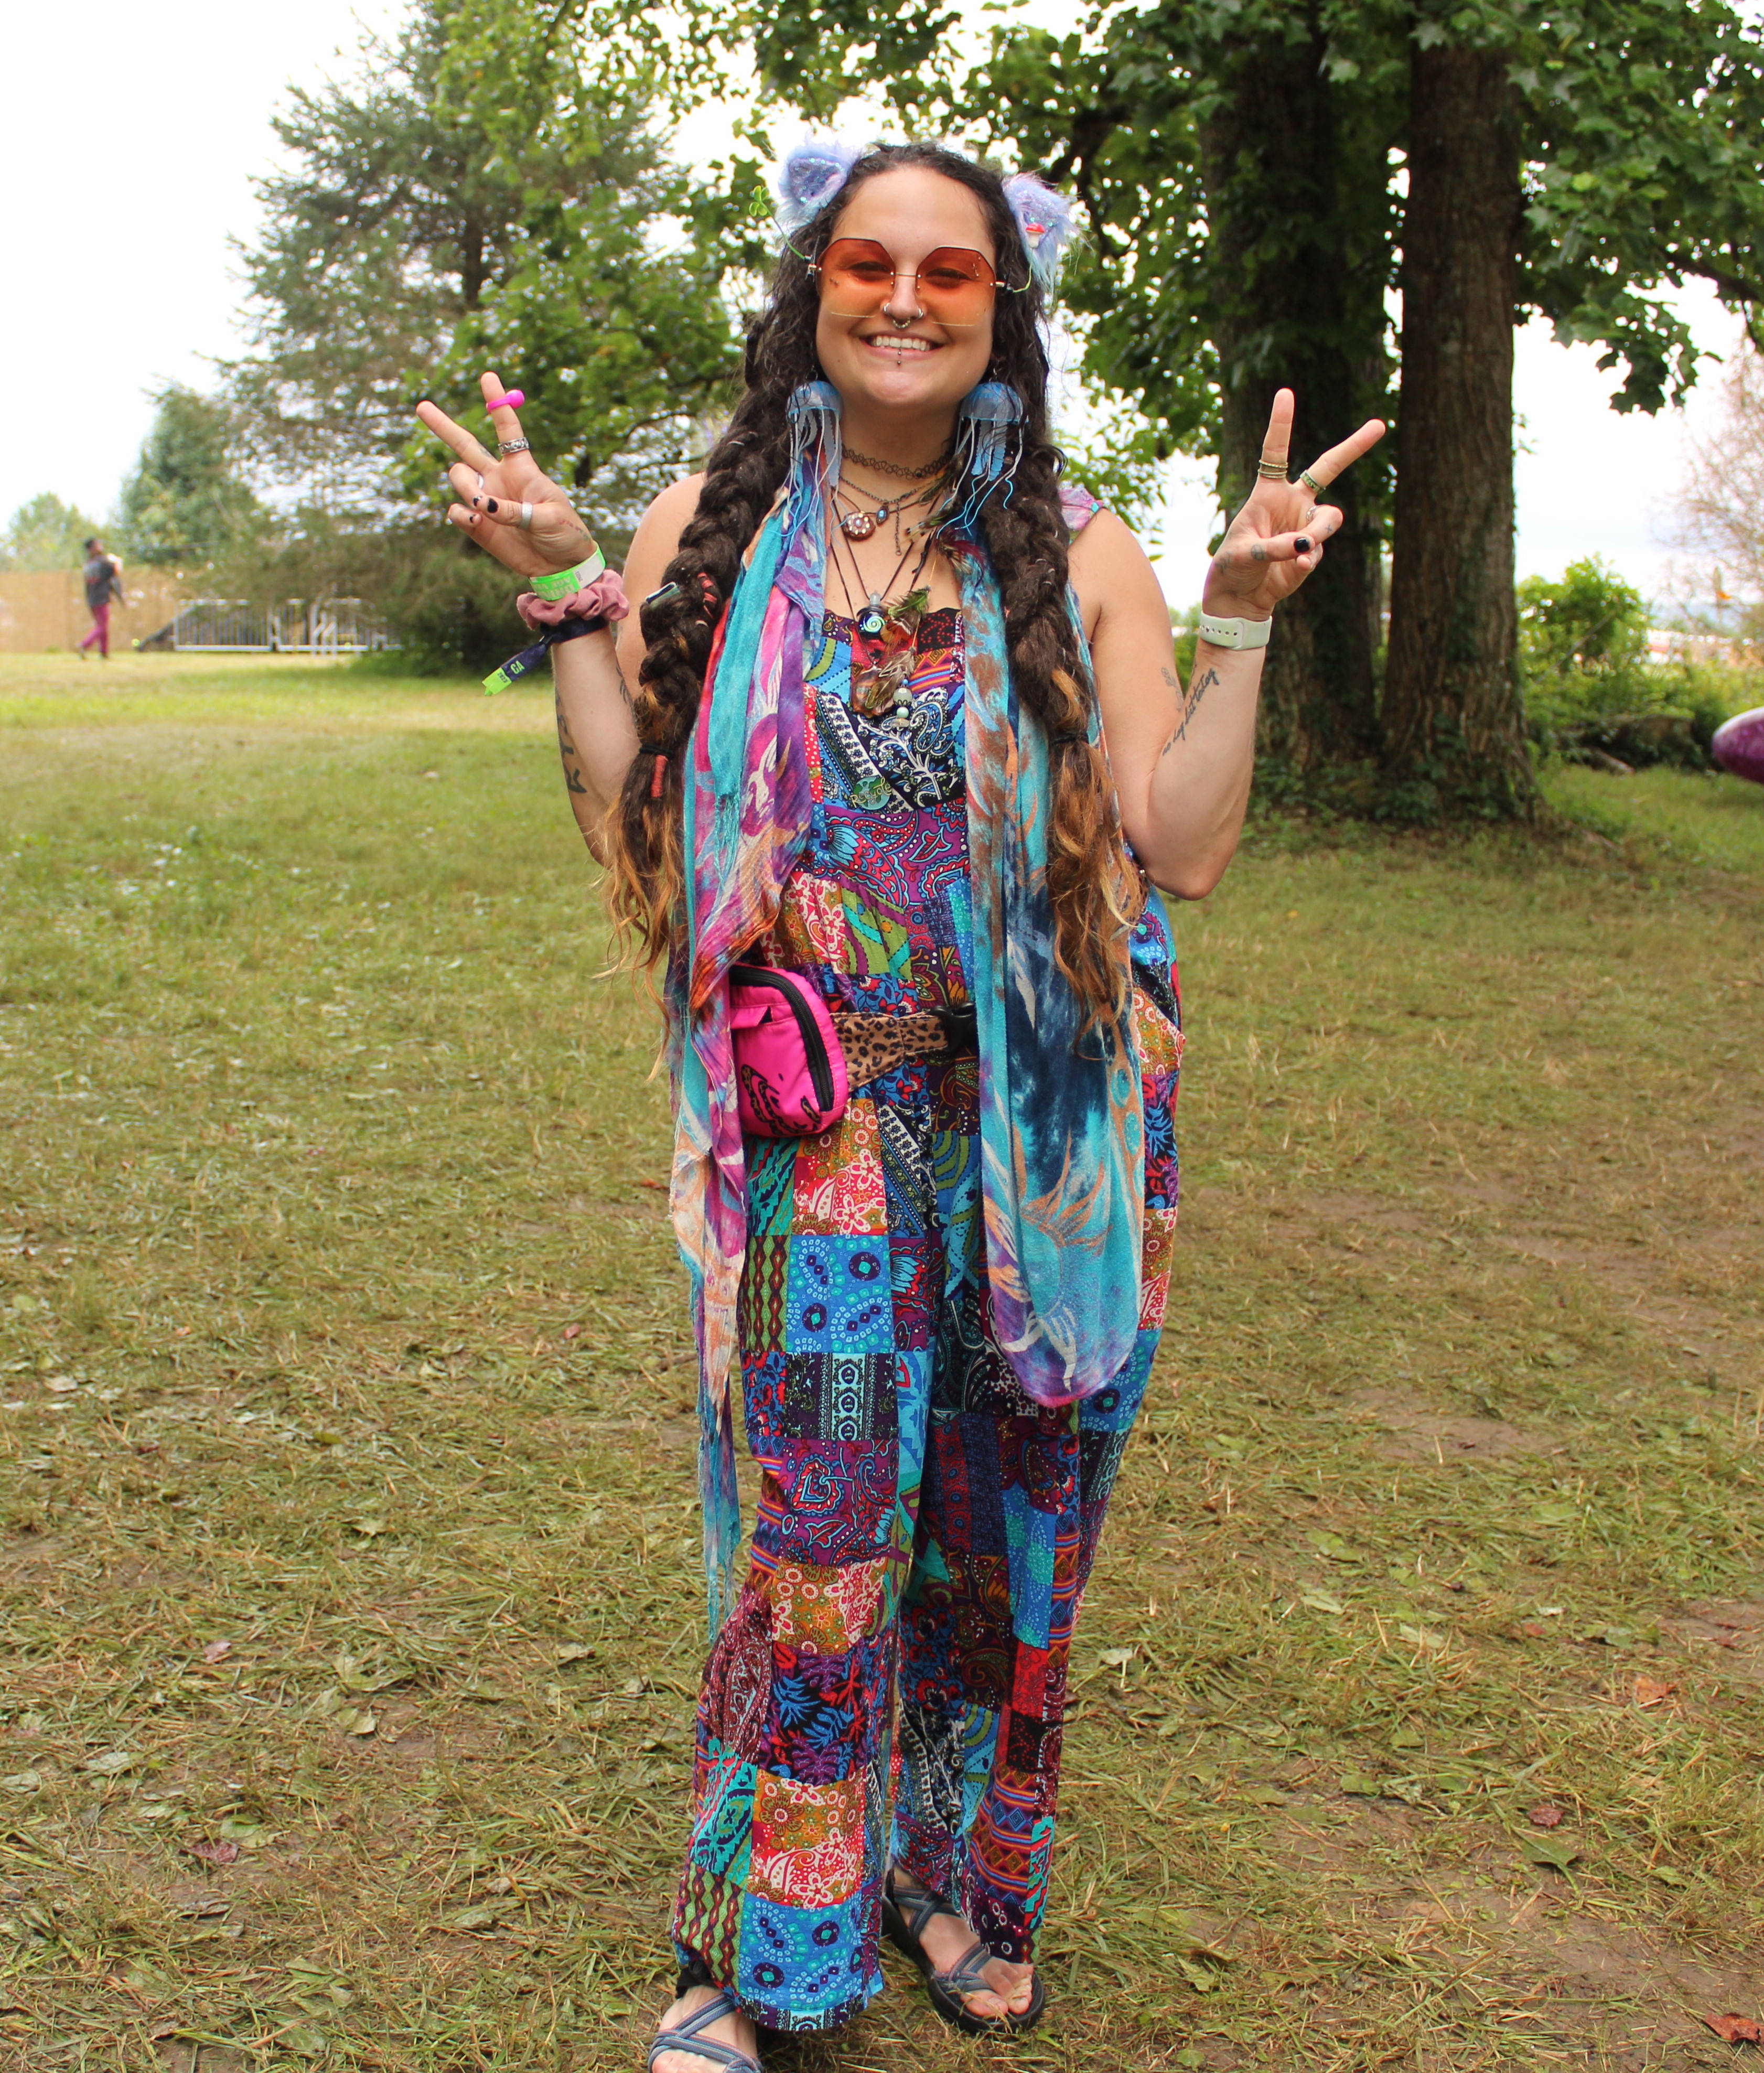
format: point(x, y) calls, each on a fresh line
point(858, 523)
point(885, 637)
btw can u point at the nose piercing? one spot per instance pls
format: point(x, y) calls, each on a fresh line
point(901, 323)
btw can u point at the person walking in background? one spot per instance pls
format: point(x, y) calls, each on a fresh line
point(103, 574)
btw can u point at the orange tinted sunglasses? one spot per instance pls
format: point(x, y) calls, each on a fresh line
point(955, 285)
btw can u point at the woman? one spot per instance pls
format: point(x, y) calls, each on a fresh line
point(102, 575)
point(880, 653)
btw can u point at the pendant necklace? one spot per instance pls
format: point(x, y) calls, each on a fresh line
point(889, 634)
point(858, 524)
point(872, 620)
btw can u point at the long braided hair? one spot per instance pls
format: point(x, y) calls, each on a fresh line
point(1026, 535)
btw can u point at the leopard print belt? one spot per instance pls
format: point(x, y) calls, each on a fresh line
point(875, 1044)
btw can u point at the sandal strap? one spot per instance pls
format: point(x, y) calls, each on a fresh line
point(685, 2037)
point(918, 1906)
point(966, 1977)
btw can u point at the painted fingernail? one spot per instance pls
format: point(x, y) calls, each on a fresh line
point(489, 504)
point(1302, 544)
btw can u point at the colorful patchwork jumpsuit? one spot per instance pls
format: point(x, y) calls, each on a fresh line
point(892, 1680)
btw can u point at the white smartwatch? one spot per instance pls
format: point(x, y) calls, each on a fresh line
point(1236, 632)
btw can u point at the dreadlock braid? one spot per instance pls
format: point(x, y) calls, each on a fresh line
point(741, 478)
point(1026, 536)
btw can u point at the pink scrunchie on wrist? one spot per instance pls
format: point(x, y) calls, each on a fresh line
point(605, 598)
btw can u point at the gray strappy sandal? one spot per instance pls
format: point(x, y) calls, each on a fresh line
point(687, 2037)
point(949, 1987)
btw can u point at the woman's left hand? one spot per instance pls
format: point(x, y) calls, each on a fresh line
point(1276, 539)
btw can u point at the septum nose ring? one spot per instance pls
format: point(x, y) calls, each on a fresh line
point(901, 323)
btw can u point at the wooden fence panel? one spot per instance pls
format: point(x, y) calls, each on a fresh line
point(45, 609)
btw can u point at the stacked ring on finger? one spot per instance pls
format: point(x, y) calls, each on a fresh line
point(514, 446)
point(1275, 469)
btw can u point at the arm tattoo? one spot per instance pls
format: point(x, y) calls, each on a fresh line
point(1191, 705)
point(567, 749)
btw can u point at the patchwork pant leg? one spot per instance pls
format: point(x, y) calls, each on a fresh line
point(781, 1897)
point(1011, 1510)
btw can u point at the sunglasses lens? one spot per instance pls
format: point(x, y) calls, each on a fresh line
point(857, 277)
point(955, 285)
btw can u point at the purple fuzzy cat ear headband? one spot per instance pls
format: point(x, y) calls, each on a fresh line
point(815, 168)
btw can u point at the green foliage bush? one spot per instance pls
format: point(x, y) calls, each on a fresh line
point(1590, 693)
point(447, 605)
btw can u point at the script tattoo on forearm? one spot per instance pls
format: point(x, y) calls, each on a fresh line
point(1191, 705)
point(566, 749)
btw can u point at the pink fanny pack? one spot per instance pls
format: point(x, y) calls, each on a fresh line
point(790, 1068)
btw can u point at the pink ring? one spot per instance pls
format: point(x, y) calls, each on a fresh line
point(511, 401)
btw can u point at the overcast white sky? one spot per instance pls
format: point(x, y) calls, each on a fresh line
point(131, 158)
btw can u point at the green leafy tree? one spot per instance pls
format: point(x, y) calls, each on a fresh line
point(46, 533)
point(186, 500)
point(480, 195)
point(1579, 161)
point(1257, 179)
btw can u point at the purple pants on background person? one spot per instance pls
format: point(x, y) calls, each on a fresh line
point(100, 631)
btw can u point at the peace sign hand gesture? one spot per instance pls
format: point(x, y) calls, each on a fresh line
point(1276, 541)
point(507, 503)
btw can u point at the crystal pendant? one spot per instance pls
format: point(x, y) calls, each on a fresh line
point(858, 524)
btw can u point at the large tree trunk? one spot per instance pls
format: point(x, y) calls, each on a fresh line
point(1452, 718)
point(1286, 285)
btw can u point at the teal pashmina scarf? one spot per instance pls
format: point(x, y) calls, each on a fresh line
point(1062, 1134)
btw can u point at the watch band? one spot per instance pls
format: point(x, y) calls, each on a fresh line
point(568, 581)
point(1236, 632)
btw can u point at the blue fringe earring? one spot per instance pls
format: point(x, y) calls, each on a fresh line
point(815, 452)
point(988, 447)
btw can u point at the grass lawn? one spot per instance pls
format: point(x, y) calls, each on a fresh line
point(348, 1542)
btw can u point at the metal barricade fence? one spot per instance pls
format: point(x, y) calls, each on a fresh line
point(325, 626)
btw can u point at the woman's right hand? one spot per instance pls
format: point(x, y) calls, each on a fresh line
point(491, 490)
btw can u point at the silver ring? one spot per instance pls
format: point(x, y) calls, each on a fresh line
point(514, 446)
point(1310, 482)
point(526, 520)
point(1275, 470)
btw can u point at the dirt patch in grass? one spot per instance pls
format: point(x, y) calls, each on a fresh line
point(1413, 1433)
point(1735, 1629)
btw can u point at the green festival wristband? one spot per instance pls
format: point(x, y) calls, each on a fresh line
point(551, 589)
